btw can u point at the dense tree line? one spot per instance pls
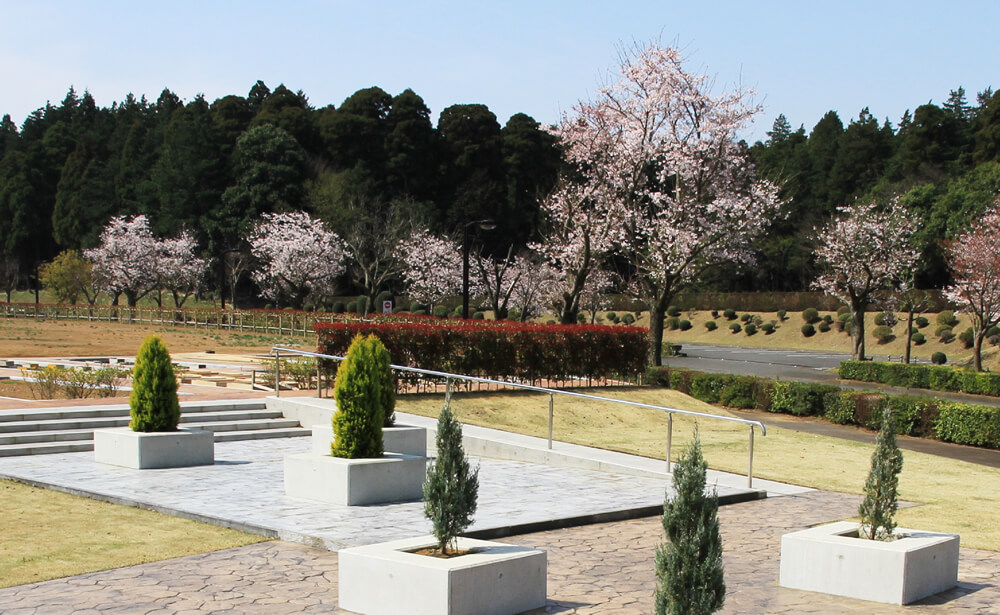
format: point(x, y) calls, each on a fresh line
point(943, 161)
point(213, 169)
point(377, 164)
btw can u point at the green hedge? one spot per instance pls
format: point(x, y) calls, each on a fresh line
point(935, 377)
point(926, 417)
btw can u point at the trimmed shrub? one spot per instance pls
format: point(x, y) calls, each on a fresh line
point(730, 314)
point(451, 489)
point(750, 328)
point(440, 311)
point(808, 330)
point(883, 334)
point(612, 316)
point(921, 321)
point(803, 399)
point(767, 328)
point(878, 510)
point(971, 424)
point(880, 319)
point(580, 318)
point(968, 337)
point(710, 325)
point(153, 404)
point(735, 327)
point(810, 315)
point(684, 325)
point(843, 310)
point(939, 358)
point(947, 318)
point(671, 323)
point(338, 307)
point(361, 391)
point(351, 307)
point(823, 326)
point(673, 310)
point(782, 315)
point(746, 317)
point(628, 318)
point(918, 338)
point(947, 336)
point(715, 313)
point(992, 331)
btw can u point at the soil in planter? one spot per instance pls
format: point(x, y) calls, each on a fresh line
point(435, 552)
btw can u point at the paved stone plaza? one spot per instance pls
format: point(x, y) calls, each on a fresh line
point(597, 568)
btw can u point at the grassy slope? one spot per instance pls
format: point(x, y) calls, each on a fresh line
point(959, 497)
point(48, 535)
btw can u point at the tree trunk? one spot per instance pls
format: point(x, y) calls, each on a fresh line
point(909, 335)
point(977, 349)
point(858, 333)
point(656, 335)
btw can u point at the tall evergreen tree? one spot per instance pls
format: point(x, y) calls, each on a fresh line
point(881, 501)
point(451, 489)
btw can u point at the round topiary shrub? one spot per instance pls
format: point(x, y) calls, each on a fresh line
point(968, 337)
point(580, 319)
point(735, 327)
point(419, 312)
point(715, 313)
point(767, 328)
point(153, 404)
point(711, 325)
point(808, 330)
point(921, 321)
point(823, 326)
point(338, 307)
point(730, 314)
point(947, 318)
point(671, 323)
point(750, 328)
point(992, 331)
point(366, 395)
point(843, 310)
point(746, 317)
point(782, 315)
point(828, 319)
point(351, 307)
point(673, 310)
point(440, 311)
point(684, 325)
point(918, 338)
point(628, 318)
point(939, 358)
point(613, 317)
point(880, 319)
point(883, 334)
point(810, 315)
point(941, 330)
point(418, 306)
point(947, 336)
point(481, 316)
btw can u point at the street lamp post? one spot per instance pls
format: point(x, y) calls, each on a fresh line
point(485, 225)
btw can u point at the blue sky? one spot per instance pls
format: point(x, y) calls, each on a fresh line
point(803, 57)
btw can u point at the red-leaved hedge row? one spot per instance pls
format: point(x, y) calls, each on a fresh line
point(500, 349)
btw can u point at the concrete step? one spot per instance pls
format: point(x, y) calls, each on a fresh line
point(42, 448)
point(244, 425)
point(50, 414)
point(68, 435)
point(262, 434)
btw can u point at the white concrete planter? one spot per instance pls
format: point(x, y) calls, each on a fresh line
point(355, 482)
point(831, 559)
point(388, 579)
point(404, 439)
point(166, 449)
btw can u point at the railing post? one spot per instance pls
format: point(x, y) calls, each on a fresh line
point(670, 437)
point(750, 462)
point(551, 416)
point(277, 375)
point(319, 382)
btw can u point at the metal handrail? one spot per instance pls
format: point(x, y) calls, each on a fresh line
point(448, 377)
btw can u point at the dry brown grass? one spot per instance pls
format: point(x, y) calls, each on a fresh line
point(48, 535)
point(958, 497)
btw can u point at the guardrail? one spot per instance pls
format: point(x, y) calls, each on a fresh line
point(449, 378)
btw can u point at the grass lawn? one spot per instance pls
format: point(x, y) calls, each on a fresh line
point(958, 497)
point(48, 535)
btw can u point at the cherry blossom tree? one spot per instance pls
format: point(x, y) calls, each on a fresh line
point(180, 269)
point(433, 267)
point(659, 156)
point(538, 286)
point(866, 249)
point(298, 258)
point(126, 261)
point(974, 259)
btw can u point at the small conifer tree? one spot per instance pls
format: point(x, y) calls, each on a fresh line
point(153, 403)
point(881, 489)
point(689, 564)
point(360, 391)
point(451, 489)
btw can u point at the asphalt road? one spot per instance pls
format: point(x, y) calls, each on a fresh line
point(765, 362)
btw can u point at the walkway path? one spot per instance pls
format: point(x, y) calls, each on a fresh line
point(596, 569)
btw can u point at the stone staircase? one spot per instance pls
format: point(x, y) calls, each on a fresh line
point(65, 430)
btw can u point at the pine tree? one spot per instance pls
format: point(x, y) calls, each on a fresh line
point(881, 489)
point(689, 564)
point(452, 486)
point(360, 391)
point(153, 403)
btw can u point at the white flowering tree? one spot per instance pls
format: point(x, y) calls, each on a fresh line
point(660, 155)
point(433, 267)
point(298, 258)
point(865, 249)
point(974, 259)
point(126, 261)
point(539, 286)
point(180, 269)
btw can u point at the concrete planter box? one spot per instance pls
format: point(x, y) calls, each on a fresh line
point(387, 579)
point(831, 559)
point(403, 439)
point(166, 449)
point(355, 482)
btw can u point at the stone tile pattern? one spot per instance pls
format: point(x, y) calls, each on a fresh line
point(604, 568)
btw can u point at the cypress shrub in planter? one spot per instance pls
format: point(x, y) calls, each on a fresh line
point(451, 489)
point(153, 403)
point(362, 395)
point(878, 510)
